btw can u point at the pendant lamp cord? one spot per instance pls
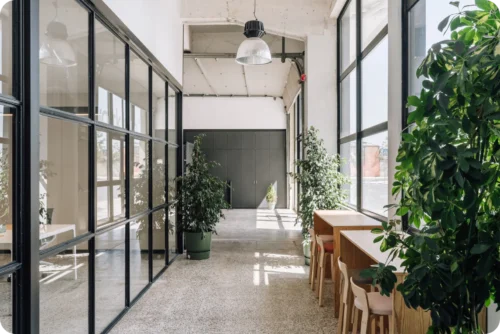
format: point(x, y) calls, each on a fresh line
point(254, 8)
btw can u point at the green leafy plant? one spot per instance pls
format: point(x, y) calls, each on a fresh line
point(271, 196)
point(201, 194)
point(320, 179)
point(448, 178)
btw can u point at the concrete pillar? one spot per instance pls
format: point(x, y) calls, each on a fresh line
point(321, 86)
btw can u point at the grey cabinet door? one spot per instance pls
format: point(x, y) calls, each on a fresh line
point(262, 176)
point(234, 174)
point(247, 193)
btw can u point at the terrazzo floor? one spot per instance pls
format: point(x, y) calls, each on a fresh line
point(254, 282)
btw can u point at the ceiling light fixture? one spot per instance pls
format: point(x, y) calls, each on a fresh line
point(56, 50)
point(254, 50)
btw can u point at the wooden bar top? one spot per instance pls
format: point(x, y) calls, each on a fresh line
point(345, 218)
point(363, 240)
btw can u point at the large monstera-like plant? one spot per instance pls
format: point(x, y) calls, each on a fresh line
point(448, 177)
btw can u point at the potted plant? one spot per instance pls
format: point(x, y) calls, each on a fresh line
point(321, 183)
point(201, 203)
point(448, 178)
point(271, 197)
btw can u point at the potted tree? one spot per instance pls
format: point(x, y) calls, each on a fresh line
point(448, 178)
point(271, 197)
point(321, 183)
point(201, 203)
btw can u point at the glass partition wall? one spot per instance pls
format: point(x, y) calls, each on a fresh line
point(363, 103)
point(88, 158)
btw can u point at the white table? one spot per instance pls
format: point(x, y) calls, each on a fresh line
point(46, 231)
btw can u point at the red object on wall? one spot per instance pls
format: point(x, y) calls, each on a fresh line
point(303, 78)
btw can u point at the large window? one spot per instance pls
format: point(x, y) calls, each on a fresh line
point(84, 164)
point(363, 103)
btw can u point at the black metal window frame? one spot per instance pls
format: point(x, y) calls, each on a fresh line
point(23, 270)
point(360, 133)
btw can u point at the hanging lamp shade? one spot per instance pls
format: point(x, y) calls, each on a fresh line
point(56, 50)
point(254, 50)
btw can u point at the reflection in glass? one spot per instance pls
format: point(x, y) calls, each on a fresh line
point(159, 110)
point(172, 118)
point(374, 160)
point(64, 179)
point(139, 248)
point(349, 168)
point(375, 85)
point(158, 241)
point(373, 19)
point(423, 22)
point(139, 97)
point(348, 104)
point(172, 195)
point(109, 77)
point(64, 291)
point(64, 56)
point(110, 171)
point(6, 51)
point(159, 176)
point(6, 186)
point(109, 276)
point(172, 235)
point(6, 310)
point(348, 36)
point(139, 185)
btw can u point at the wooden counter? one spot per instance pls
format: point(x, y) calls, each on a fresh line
point(358, 252)
point(333, 222)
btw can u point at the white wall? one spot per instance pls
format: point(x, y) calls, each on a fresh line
point(321, 86)
point(233, 113)
point(157, 24)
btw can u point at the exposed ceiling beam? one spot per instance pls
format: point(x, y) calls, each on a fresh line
point(204, 72)
point(298, 55)
point(246, 80)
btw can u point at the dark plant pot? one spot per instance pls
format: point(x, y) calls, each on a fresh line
point(306, 246)
point(198, 245)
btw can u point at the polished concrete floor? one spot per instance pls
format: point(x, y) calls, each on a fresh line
point(254, 282)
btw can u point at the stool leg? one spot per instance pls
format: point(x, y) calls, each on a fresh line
point(373, 325)
point(382, 327)
point(364, 322)
point(341, 309)
point(391, 324)
point(347, 314)
point(355, 323)
point(313, 265)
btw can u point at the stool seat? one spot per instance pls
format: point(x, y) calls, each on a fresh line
point(329, 247)
point(378, 304)
point(356, 277)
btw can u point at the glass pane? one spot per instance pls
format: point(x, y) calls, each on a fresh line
point(64, 71)
point(374, 14)
point(139, 185)
point(6, 310)
point(64, 179)
point(64, 291)
point(159, 110)
point(375, 85)
point(348, 36)
point(139, 272)
point(374, 155)
point(172, 119)
point(109, 276)
point(423, 22)
point(7, 48)
point(139, 99)
point(110, 77)
point(158, 174)
point(348, 104)
point(110, 165)
point(6, 185)
point(158, 241)
point(172, 230)
point(172, 173)
point(348, 154)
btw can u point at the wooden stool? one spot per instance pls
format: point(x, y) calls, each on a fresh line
point(372, 305)
point(346, 298)
point(313, 263)
point(325, 250)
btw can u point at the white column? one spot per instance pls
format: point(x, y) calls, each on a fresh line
point(395, 90)
point(321, 86)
